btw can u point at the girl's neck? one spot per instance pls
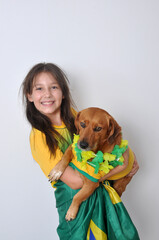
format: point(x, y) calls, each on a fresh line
point(56, 119)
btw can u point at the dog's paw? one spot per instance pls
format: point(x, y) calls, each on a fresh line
point(54, 175)
point(72, 212)
point(70, 216)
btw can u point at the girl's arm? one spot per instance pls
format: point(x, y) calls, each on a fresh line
point(47, 162)
point(135, 167)
point(72, 178)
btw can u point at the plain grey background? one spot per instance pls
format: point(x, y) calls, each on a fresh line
point(110, 52)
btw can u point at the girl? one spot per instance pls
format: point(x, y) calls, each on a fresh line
point(50, 113)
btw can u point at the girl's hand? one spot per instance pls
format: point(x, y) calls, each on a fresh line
point(135, 168)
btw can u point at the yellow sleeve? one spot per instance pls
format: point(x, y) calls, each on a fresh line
point(41, 153)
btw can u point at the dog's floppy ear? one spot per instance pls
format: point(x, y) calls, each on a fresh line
point(77, 122)
point(114, 131)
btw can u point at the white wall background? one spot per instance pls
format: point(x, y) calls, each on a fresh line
point(110, 52)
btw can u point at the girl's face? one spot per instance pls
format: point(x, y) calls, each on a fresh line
point(46, 95)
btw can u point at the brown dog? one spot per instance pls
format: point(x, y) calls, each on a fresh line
point(98, 131)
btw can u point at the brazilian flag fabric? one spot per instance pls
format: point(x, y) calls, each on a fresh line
point(101, 217)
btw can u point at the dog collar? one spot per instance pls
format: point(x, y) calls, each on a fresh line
point(100, 161)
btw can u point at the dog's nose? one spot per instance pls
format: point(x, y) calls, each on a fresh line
point(84, 144)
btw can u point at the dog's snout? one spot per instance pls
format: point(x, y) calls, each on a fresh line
point(84, 144)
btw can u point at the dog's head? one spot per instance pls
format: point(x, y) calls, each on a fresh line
point(97, 130)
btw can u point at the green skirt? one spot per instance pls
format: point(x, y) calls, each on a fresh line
point(102, 216)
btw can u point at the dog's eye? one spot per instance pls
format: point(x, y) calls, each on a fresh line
point(83, 125)
point(97, 129)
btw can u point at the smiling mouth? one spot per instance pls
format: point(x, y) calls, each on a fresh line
point(47, 103)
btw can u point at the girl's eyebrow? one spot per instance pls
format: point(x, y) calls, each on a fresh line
point(37, 84)
point(40, 84)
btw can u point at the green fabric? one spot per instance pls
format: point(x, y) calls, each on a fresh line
point(111, 219)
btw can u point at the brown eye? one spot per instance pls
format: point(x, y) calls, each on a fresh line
point(97, 129)
point(83, 125)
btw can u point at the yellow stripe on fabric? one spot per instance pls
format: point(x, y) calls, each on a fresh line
point(97, 232)
point(112, 193)
point(53, 183)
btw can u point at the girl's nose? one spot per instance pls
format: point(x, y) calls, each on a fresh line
point(47, 93)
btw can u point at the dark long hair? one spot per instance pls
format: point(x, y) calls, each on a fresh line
point(39, 120)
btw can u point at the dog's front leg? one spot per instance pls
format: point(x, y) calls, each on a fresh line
point(87, 189)
point(60, 167)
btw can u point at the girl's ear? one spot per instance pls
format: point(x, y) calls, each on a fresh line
point(29, 96)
